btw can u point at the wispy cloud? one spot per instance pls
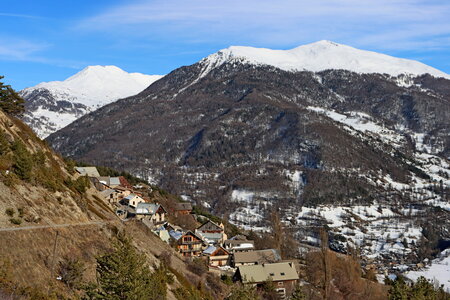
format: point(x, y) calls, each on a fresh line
point(18, 49)
point(28, 51)
point(382, 24)
point(12, 15)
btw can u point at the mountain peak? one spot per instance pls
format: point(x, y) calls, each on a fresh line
point(323, 55)
point(97, 70)
point(100, 84)
point(90, 88)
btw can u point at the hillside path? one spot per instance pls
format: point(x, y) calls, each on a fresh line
point(53, 226)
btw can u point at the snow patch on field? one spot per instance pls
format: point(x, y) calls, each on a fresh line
point(362, 122)
point(242, 196)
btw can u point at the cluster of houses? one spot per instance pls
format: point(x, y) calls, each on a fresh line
point(127, 200)
point(236, 255)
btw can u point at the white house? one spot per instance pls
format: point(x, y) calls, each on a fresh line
point(132, 200)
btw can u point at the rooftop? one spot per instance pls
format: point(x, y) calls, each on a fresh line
point(257, 256)
point(89, 171)
point(276, 272)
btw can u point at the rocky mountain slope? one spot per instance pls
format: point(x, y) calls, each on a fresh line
point(53, 105)
point(246, 130)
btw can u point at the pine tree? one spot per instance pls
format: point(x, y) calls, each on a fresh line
point(4, 144)
point(398, 290)
point(71, 271)
point(124, 274)
point(243, 292)
point(23, 162)
point(10, 102)
point(298, 293)
point(269, 291)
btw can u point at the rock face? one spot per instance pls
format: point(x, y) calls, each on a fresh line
point(52, 105)
point(237, 127)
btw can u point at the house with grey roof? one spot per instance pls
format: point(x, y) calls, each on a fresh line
point(211, 232)
point(110, 195)
point(283, 275)
point(153, 212)
point(88, 171)
point(109, 181)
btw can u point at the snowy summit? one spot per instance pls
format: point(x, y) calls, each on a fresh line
point(53, 105)
point(323, 55)
point(99, 85)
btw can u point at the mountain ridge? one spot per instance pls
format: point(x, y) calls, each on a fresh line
point(324, 55)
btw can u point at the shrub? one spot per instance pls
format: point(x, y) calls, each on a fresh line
point(21, 212)
point(226, 279)
point(166, 258)
point(9, 212)
point(197, 266)
point(16, 221)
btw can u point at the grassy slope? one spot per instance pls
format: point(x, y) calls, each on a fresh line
point(30, 252)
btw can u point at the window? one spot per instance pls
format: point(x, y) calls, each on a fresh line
point(282, 274)
point(280, 283)
point(188, 238)
point(271, 274)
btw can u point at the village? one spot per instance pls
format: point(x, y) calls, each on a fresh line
point(235, 257)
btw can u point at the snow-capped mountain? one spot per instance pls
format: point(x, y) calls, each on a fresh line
point(321, 56)
point(359, 142)
point(53, 105)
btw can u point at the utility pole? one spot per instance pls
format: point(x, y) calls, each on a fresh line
point(52, 266)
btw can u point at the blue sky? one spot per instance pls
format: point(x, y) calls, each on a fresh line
point(51, 40)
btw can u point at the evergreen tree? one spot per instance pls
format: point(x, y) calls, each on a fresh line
point(269, 291)
point(124, 274)
point(243, 292)
point(398, 290)
point(10, 102)
point(71, 271)
point(4, 144)
point(23, 162)
point(298, 293)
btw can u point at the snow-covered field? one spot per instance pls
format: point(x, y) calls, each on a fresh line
point(439, 271)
